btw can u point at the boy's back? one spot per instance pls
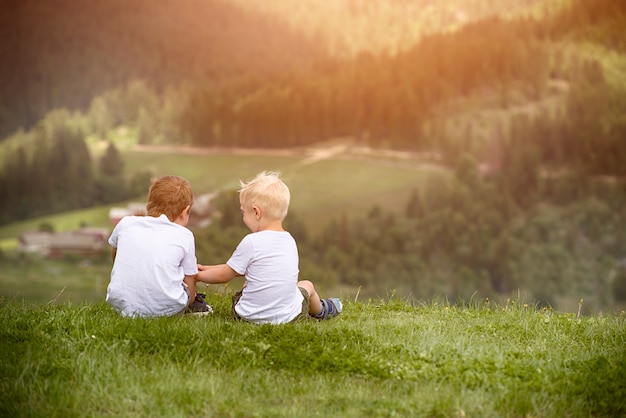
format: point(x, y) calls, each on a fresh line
point(153, 255)
point(269, 261)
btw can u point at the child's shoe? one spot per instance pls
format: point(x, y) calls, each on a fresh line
point(199, 306)
point(331, 308)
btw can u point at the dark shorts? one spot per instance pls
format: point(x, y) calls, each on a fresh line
point(302, 316)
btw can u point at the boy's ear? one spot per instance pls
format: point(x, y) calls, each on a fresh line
point(257, 211)
point(187, 210)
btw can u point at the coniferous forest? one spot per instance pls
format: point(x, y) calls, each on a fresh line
point(538, 195)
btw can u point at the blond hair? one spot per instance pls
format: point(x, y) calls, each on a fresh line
point(268, 192)
point(169, 195)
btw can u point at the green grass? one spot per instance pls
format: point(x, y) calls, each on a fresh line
point(377, 359)
point(41, 280)
point(96, 216)
point(205, 172)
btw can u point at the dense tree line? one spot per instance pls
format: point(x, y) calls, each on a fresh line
point(589, 135)
point(63, 53)
point(391, 100)
point(51, 170)
point(381, 99)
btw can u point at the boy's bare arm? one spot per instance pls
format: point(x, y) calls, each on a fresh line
point(190, 281)
point(220, 273)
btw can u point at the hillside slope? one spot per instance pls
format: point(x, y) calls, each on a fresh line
point(375, 360)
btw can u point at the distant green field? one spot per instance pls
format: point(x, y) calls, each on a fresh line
point(321, 190)
point(97, 216)
point(45, 281)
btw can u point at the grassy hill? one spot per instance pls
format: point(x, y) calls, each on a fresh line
point(377, 359)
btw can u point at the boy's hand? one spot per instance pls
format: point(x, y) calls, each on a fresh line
point(214, 274)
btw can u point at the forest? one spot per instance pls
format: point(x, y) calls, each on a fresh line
point(538, 194)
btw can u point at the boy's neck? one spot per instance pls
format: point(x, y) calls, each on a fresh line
point(271, 226)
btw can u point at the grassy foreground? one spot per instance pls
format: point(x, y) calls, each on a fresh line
point(380, 358)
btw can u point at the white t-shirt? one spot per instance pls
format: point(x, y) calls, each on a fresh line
point(153, 256)
point(269, 261)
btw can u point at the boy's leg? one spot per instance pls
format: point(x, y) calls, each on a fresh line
point(304, 312)
point(318, 308)
point(315, 303)
point(331, 308)
point(235, 299)
point(199, 305)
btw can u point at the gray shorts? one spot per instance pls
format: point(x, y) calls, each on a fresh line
point(302, 316)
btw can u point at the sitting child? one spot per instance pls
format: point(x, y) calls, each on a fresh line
point(268, 258)
point(154, 256)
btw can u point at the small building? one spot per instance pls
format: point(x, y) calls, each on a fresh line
point(34, 242)
point(135, 209)
point(85, 242)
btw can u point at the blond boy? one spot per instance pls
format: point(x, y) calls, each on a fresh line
point(268, 258)
point(154, 260)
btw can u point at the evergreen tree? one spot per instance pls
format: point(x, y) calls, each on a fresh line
point(111, 185)
point(415, 206)
point(111, 163)
point(147, 127)
point(14, 200)
point(467, 172)
point(40, 187)
point(100, 117)
point(139, 184)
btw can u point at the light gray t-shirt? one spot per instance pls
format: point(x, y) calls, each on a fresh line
point(269, 261)
point(153, 256)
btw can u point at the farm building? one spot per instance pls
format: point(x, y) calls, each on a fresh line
point(86, 241)
point(136, 209)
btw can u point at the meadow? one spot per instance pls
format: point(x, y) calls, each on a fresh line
point(378, 359)
point(324, 180)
